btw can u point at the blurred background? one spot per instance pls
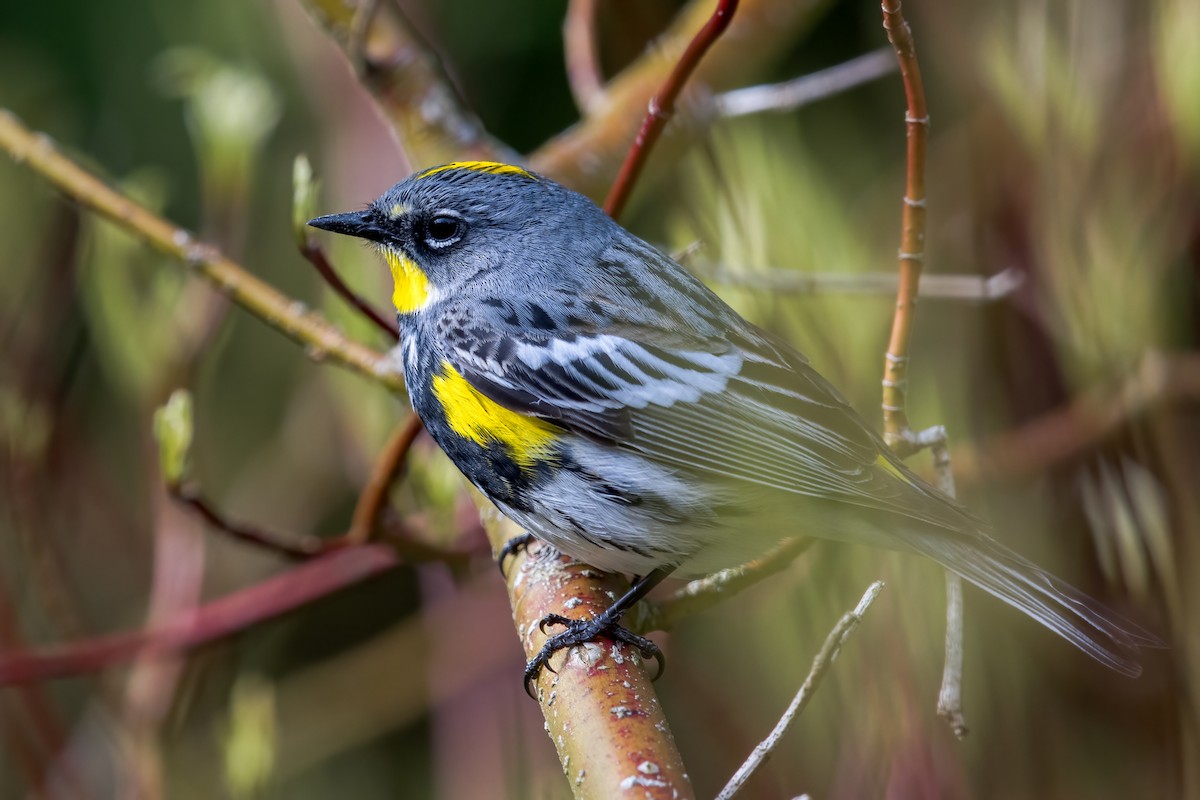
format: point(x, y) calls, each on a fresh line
point(1064, 158)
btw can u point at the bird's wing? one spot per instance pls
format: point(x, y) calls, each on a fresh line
point(740, 407)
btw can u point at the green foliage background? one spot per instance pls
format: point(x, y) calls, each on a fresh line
point(1066, 147)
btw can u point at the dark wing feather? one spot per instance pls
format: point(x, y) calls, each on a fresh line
point(739, 407)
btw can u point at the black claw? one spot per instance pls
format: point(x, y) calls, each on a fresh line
point(580, 631)
point(511, 548)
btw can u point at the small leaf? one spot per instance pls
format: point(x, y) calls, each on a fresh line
point(173, 431)
point(304, 198)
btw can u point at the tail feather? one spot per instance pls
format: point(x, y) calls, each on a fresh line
point(1096, 630)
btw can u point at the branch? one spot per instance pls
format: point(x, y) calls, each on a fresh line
point(821, 664)
point(966, 288)
point(600, 706)
point(949, 706)
point(231, 614)
point(662, 106)
point(704, 593)
point(263, 301)
point(896, 429)
point(315, 255)
point(297, 547)
point(407, 83)
point(912, 233)
point(798, 92)
point(587, 155)
point(388, 467)
point(584, 75)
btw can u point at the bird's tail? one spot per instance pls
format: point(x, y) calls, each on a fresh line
point(1082, 621)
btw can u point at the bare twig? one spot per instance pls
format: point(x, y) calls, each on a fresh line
point(587, 155)
point(388, 467)
point(292, 546)
point(896, 429)
point(662, 106)
point(798, 92)
point(583, 60)
point(950, 696)
point(316, 256)
point(263, 301)
point(949, 705)
point(968, 288)
point(231, 614)
point(704, 593)
point(821, 664)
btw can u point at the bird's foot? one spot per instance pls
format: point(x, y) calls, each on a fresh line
point(511, 548)
point(580, 631)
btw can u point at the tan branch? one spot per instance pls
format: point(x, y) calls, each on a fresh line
point(600, 706)
point(912, 233)
point(284, 314)
point(408, 84)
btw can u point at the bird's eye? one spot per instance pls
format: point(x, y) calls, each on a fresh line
point(444, 230)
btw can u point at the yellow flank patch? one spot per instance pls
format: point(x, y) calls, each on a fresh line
point(484, 421)
point(410, 289)
point(886, 465)
point(490, 167)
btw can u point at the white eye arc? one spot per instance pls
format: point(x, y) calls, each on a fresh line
point(443, 229)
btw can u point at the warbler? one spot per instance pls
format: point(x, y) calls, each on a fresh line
point(609, 403)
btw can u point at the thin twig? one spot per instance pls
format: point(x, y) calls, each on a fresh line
point(588, 154)
point(263, 301)
point(388, 467)
point(950, 706)
point(292, 546)
point(704, 593)
point(584, 75)
point(896, 429)
point(231, 614)
point(967, 288)
point(912, 233)
point(316, 256)
point(662, 106)
point(798, 92)
point(821, 664)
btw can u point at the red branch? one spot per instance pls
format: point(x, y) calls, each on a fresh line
point(233, 613)
point(662, 106)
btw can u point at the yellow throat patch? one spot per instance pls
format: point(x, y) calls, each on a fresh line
point(484, 421)
point(410, 290)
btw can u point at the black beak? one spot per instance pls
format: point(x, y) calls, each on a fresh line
point(362, 224)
